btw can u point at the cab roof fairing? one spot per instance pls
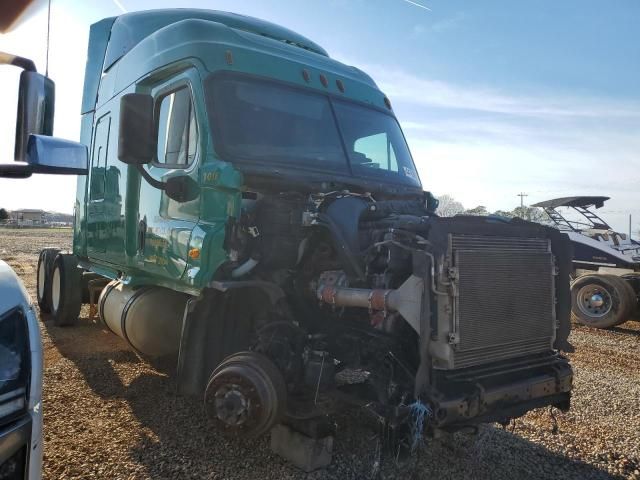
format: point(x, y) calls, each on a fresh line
point(205, 43)
point(131, 28)
point(159, 33)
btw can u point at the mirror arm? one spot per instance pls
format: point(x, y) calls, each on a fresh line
point(150, 180)
point(24, 63)
point(181, 188)
point(15, 171)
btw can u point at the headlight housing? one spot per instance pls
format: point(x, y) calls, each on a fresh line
point(15, 365)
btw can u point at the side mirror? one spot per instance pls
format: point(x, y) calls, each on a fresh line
point(55, 155)
point(182, 188)
point(37, 151)
point(136, 134)
point(431, 202)
point(36, 99)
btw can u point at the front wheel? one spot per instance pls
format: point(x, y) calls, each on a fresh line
point(246, 395)
point(601, 301)
point(65, 290)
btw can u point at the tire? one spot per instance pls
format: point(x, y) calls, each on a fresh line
point(601, 301)
point(633, 279)
point(626, 289)
point(65, 290)
point(43, 273)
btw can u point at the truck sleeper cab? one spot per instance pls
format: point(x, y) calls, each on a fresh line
point(252, 211)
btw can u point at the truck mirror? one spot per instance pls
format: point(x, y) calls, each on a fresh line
point(136, 135)
point(182, 188)
point(55, 155)
point(35, 110)
point(431, 202)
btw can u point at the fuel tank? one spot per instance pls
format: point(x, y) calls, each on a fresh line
point(148, 318)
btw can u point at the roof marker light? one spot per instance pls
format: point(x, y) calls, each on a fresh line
point(324, 81)
point(340, 85)
point(306, 76)
point(228, 56)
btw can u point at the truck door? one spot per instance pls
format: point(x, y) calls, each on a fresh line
point(96, 209)
point(165, 225)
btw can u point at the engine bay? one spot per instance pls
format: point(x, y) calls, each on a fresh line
point(363, 307)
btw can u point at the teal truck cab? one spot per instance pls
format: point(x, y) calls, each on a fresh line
point(252, 212)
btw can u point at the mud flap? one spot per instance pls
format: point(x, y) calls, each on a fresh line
point(215, 325)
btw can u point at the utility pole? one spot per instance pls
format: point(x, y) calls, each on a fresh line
point(629, 226)
point(522, 195)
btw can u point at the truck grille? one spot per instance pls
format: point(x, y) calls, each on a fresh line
point(505, 306)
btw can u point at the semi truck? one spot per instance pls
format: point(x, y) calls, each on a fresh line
point(253, 218)
point(606, 264)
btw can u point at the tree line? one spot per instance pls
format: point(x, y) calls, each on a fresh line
point(449, 207)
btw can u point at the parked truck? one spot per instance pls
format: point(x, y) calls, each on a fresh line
point(606, 263)
point(252, 214)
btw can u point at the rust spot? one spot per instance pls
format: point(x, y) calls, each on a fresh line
point(378, 299)
point(327, 294)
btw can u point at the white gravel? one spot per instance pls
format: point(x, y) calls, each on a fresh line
point(110, 416)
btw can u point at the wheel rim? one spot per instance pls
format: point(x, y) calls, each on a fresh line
point(55, 289)
point(594, 301)
point(41, 274)
point(232, 406)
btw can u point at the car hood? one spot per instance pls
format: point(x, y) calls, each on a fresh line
point(12, 291)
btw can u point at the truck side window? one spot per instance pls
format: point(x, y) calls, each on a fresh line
point(177, 131)
point(99, 158)
point(376, 151)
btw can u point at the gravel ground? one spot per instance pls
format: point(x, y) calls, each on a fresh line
point(108, 415)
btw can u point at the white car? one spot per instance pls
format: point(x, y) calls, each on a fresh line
point(20, 381)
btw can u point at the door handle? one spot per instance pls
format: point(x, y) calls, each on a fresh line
point(142, 234)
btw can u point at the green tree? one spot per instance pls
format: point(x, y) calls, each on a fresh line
point(4, 215)
point(480, 210)
point(532, 214)
point(504, 213)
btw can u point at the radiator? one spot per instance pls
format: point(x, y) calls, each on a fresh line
point(506, 297)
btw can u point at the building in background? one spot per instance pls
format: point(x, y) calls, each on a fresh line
point(28, 216)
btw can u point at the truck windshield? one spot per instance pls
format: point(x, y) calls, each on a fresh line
point(259, 121)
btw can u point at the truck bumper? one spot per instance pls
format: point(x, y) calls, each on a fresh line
point(501, 391)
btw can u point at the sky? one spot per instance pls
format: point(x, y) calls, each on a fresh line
point(496, 98)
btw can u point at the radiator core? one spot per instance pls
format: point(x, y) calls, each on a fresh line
point(505, 303)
